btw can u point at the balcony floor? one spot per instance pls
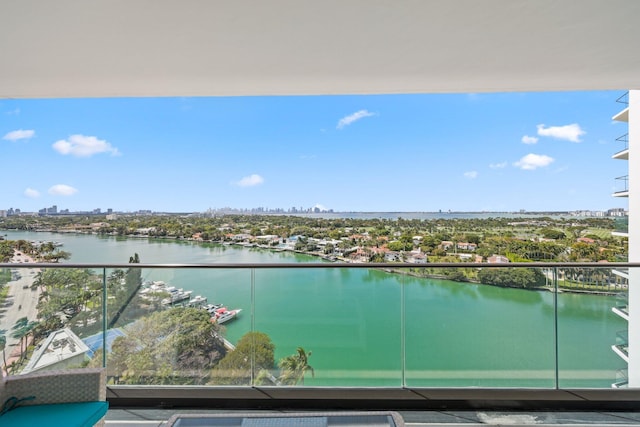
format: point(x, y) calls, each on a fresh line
point(159, 417)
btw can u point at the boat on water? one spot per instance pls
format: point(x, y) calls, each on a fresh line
point(176, 295)
point(197, 301)
point(223, 315)
point(211, 308)
point(149, 288)
point(218, 312)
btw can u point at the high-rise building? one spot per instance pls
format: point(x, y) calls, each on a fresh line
point(626, 346)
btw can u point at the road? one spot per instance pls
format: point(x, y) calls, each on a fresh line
point(21, 301)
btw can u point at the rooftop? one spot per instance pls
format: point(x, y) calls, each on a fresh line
point(60, 346)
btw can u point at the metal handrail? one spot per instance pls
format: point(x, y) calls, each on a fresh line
point(623, 138)
point(302, 265)
point(624, 178)
point(624, 99)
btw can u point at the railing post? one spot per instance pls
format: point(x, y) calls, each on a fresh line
point(253, 304)
point(555, 327)
point(403, 348)
point(104, 317)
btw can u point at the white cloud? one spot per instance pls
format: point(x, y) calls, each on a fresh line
point(62, 190)
point(471, 174)
point(533, 161)
point(571, 132)
point(31, 193)
point(498, 165)
point(14, 112)
point(19, 134)
point(529, 139)
point(346, 121)
point(84, 146)
point(321, 207)
point(250, 181)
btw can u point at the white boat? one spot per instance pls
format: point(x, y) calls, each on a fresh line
point(176, 295)
point(149, 288)
point(211, 308)
point(198, 301)
point(222, 315)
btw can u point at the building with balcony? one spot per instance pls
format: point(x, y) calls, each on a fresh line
point(630, 117)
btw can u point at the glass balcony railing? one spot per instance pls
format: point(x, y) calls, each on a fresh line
point(624, 98)
point(397, 326)
point(622, 379)
point(622, 186)
point(623, 153)
point(625, 139)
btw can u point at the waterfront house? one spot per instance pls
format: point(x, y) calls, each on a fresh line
point(497, 259)
point(445, 245)
point(466, 246)
point(585, 240)
point(416, 258)
point(392, 256)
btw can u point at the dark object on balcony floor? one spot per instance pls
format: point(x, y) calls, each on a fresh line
point(300, 419)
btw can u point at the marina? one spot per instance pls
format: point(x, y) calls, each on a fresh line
point(178, 297)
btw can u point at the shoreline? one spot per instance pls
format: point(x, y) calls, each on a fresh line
point(328, 259)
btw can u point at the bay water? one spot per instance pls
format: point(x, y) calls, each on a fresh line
point(366, 327)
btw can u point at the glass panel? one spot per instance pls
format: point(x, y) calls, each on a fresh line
point(592, 312)
point(345, 322)
point(479, 328)
point(171, 330)
point(46, 315)
point(461, 327)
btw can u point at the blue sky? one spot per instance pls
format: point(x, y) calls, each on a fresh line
point(460, 152)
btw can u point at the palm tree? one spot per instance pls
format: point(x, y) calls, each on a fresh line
point(293, 368)
point(20, 331)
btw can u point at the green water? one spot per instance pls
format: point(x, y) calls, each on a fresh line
point(372, 328)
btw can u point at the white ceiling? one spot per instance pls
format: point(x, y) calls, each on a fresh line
point(107, 48)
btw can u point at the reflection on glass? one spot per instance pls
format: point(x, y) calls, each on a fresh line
point(337, 327)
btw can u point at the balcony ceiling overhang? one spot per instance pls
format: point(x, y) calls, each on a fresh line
point(113, 48)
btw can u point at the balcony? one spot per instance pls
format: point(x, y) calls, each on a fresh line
point(621, 347)
point(622, 379)
point(622, 154)
point(624, 98)
point(622, 299)
point(413, 334)
point(622, 116)
point(625, 183)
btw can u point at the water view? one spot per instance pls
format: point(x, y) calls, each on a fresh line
point(367, 327)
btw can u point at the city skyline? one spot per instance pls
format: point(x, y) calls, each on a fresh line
point(55, 210)
point(376, 153)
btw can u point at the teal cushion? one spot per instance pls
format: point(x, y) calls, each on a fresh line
point(80, 414)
